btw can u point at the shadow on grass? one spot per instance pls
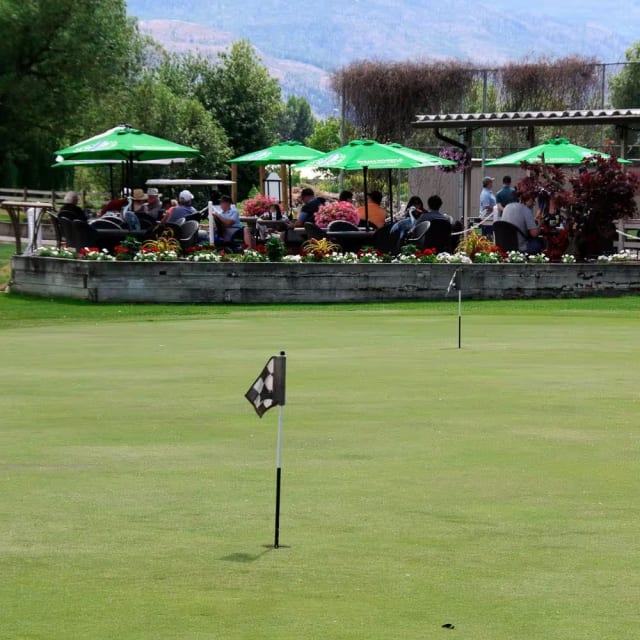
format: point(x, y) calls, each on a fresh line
point(247, 557)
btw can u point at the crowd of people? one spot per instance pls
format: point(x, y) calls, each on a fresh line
point(509, 205)
point(139, 209)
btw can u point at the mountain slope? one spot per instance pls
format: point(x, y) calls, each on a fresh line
point(302, 42)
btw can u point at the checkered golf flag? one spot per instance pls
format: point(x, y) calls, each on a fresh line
point(454, 283)
point(268, 389)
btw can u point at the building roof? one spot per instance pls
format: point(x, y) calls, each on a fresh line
point(528, 118)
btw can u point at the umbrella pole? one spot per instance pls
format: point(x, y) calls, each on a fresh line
point(290, 190)
point(366, 198)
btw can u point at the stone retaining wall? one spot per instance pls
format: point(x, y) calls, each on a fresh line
point(188, 282)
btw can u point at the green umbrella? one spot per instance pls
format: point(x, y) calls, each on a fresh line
point(289, 152)
point(428, 159)
point(369, 154)
point(124, 143)
point(553, 151)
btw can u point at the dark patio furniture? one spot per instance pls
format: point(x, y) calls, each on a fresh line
point(438, 236)
point(505, 235)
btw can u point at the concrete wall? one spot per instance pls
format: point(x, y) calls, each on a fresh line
point(187, 282)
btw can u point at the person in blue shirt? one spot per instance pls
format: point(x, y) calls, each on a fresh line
point(227, 219)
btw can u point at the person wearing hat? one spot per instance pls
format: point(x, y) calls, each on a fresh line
point(183, 209)
point(227, 219)
point(487, 206)
point(154, 204)
point(377, 215)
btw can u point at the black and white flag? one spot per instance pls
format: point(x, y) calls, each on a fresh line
point(454, 283)
point(269, 388)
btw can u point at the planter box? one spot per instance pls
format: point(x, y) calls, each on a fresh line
point(247, 283)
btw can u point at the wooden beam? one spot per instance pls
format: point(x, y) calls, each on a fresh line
point(285, 187)
point(234, 186)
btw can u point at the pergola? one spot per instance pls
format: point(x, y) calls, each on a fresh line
point(624, 120)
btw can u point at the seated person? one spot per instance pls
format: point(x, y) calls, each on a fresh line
point(70, 208)
point(520, 215)
point(154, 205)
point(377, 214)
point(433, 211)
point(116, 205)
point(413, 210)
point(310, 205)
point(227, 219)
point(183, 208)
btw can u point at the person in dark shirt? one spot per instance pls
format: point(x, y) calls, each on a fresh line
point(70, 208)
point(310, 205)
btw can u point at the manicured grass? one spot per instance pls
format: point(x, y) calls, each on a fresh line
point(491, 487)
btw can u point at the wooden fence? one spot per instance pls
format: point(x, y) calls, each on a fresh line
point(89, 199)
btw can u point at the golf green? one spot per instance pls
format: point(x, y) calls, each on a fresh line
point(492, 487)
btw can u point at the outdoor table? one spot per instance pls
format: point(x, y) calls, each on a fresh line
point(351, 240)
point(35, 210)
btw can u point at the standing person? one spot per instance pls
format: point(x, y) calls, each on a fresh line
point(505, 196)
point(487, 205)
point(183, 209)
point(70, 208)
point(520, 215)
point(377, 214)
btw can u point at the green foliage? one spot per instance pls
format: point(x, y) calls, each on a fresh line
point(326, 135)
point(161, 111)
point(276, 249)
point(295, 120)
point(625, 87)
point(246, 100)
point(58, 58)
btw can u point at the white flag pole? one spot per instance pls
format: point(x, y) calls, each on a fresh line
point(459, 317)
point(212, 226)
point(456, 283)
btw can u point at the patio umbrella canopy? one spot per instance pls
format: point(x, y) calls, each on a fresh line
point(289, 153)
point(369, 154)
point(553, 151)
point(124, 143)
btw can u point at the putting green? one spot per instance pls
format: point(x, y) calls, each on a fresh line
point(490, 487)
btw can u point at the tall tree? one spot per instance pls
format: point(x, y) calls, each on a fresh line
point(625, 87)
point(245, 100)
point(57, 57)
point(240, 94)
point(296, 121)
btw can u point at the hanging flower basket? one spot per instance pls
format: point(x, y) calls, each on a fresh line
point(460, 157)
